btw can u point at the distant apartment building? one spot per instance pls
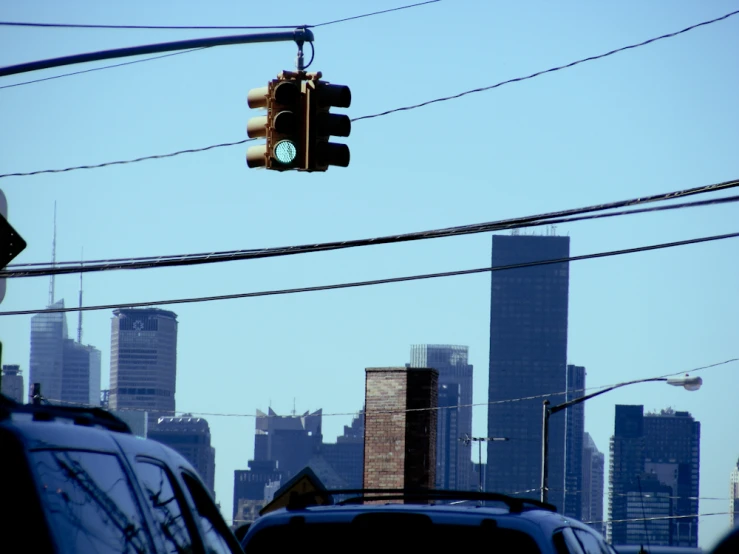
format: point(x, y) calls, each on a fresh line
point(574, 431)
point(453, 456)
point(143, 361)
point(12, 385)
point(190, 436)
point(528, 358)
point(734, 496)
point(661, 451)
point(593, 474)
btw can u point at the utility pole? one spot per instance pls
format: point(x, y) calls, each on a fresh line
point(479, 440)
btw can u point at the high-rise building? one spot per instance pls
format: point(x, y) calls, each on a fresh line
point(528, 358)
point(453, 459)
point(80, 374)
point(346, 456)
point(664, 447)
point(593, 473)
point(143, 361)
point(283, 446)
point(68, 372)
point(190, 436)
point(48, 333)
point(574, 430)
point(12, 385)
point(734, 496)
point(626, 462)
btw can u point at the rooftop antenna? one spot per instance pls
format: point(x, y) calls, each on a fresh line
point(294, 412)
point(79, 314)
point(53, 260)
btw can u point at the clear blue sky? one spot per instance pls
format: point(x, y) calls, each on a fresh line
point(658, 118)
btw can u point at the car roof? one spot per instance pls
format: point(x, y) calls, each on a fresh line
point(46, 426)
point(467, 513)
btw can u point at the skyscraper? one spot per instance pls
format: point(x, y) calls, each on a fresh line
point(574, 430)
point(283, 445)
point(190, 436)
point(453, 460)
point(593, 473)
point(80, 374)
point(662, 447)
point(143, 361)
point(48, 333)
point(528, 357)
point(13, 382)
point(734, 496)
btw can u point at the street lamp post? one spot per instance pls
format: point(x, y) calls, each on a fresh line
point(467, 439)
point(688, 383)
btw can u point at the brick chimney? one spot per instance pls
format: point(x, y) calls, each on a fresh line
point(400, 427)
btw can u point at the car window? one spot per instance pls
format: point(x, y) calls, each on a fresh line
point(373, 534)
point(216, 536)
point(565, 542)
point(590, 543)
point(89, 502)
point(165, 506)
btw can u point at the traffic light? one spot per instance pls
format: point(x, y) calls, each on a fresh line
point(299, 123)
point(282, 126)
point(321, 124)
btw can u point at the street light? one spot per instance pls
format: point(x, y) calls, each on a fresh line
point(688, 383)
point(467, 439)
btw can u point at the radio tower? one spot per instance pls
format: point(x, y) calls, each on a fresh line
point(79, 314)
point(53, 260)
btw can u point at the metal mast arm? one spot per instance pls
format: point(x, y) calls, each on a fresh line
point(299, 35)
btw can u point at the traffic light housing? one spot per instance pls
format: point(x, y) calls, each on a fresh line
point(282, 126)
point(322, 124)
point(299, 123)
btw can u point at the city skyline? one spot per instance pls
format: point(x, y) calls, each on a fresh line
point(639, 122)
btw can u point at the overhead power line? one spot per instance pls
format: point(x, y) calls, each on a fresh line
point(407, 410)
point(375, 281)
point(148, 262)
point(203, 27)
point(388, 112)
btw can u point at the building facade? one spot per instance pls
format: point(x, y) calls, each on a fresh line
point(734, 496)
point(48, 333)
point(190, 436)
point(12, 385)
point(453, 456)
point(662, 447)
point(528, 357)
point(143, 361)
point(80, 374)
point(574, 431)
point(593, 475)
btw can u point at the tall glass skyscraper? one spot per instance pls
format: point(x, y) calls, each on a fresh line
point(143, 361)
point(453, 460)
point(48, 332)
point(661, 451)
point(574, 432)
point(528, 358)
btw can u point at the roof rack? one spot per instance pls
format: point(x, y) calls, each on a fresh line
point(87, 417)
point(515, 505)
